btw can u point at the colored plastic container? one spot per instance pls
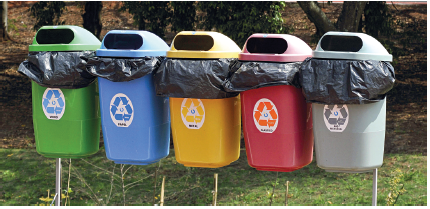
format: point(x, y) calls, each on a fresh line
point(213, 141)
point(71, 127)
point(277, 122)
point(142, 136)
point(358, 144)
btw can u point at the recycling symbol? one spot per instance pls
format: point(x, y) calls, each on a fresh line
point(193, 113)
point(336, 117)
point(121, 110)
point(265, 116)
point(53, 103)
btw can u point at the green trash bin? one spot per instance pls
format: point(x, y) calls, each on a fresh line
point(66, 120)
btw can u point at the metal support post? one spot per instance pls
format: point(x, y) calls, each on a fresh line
point(375, 187)
point(58, 182)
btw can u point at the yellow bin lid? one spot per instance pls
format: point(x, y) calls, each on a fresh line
point(202, 44)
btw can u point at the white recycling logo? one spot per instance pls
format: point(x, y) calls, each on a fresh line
point(121, 110)
point(336, 117)
point(53, 103)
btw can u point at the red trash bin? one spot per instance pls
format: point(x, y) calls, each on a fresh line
point(277, 121)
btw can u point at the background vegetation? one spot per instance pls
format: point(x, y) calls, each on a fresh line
point(26, 176)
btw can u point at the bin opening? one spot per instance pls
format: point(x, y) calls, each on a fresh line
point(55, 36)
point(123, 41)
point(341, 43)
point(267, 45)
point(194, 42)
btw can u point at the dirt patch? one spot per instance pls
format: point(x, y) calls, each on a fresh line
point(406, 103)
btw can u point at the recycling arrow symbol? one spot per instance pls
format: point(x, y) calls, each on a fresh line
point(53, 103)
point(121, 110)
point(192, 113)
point(265, 116)
point(336, 117)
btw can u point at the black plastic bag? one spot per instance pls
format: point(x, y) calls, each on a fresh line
point(57, 69)
point(248, 75)
point(330, 81)
point(193, 78)
point(122, 69)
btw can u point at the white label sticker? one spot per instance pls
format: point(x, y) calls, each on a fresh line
point(336, 117)
point(121, 110)
point(53, 103)
point(193, 113)
point(265, 116)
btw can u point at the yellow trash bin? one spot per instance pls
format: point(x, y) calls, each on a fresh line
point(206, 132)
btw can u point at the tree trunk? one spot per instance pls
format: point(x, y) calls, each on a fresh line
point(92, 17)
point(3, 24)
point(349, 19)
point(317, 16)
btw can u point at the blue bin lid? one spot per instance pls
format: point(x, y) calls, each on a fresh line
point(132, 43)
point(349, 45)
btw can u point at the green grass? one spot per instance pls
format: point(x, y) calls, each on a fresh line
point(26, 176)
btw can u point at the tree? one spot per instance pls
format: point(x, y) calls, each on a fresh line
point(183, 15)
point(378, 19)
point(3, 23)
point(348, 21)
point(92, 17)
point(153, 16)
point(47, 13)
point(239, 20)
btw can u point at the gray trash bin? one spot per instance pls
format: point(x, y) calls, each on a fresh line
point(349, 104)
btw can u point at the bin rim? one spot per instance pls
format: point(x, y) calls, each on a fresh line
point(371, 49)
point(83, 40)
point(223, 47)
point(297, 50)
point(152, 45)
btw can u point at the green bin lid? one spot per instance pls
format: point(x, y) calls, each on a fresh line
point(64, 38)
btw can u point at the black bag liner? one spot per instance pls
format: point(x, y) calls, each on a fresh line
point(193, 78)
point(122, 69)
point(329, 81)
point(248, 75)
point(57, 69)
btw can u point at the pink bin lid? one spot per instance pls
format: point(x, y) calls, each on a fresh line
point(275, 48)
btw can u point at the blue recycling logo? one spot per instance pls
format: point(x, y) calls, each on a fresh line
point(121, 110)
point(53, 103)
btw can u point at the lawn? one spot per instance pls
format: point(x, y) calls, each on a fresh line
point(26, 178)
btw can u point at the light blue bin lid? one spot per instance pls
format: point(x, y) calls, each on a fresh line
point(352, 46)
point(132, 43)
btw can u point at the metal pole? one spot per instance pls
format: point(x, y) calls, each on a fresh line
point(375, 187)
point(58, 182)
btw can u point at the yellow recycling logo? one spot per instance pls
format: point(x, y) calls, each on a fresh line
point(193, 113)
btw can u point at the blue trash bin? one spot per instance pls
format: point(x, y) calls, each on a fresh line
point(135, 122)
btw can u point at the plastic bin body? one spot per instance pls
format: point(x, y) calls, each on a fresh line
point(359, 145)
point(146, 139)
point(77, 133)
point(217, 142)
point(288, 146)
